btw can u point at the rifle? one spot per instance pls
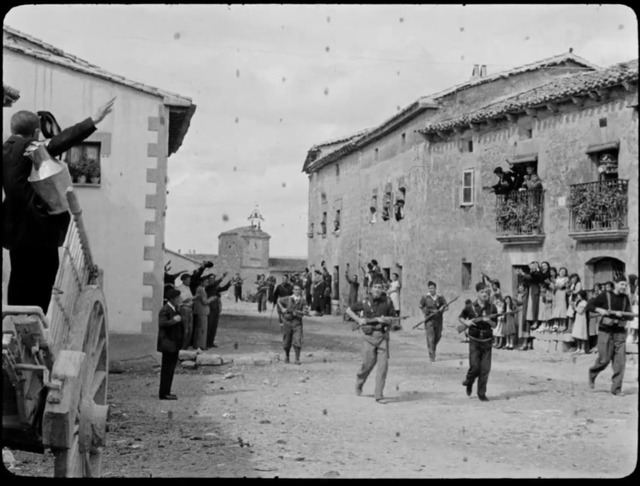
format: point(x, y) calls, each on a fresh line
point(462, 327)
point(624, 314)
point(433, 314)
point(373, 322)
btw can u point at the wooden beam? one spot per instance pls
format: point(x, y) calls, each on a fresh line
point(603, 93)
point(491, 123)
point(594, 96)
point(626, 85)
point(458, 129)
point(577, 101)
point(512, 117)
point(552, 107)
point(531, 111)
point(474, 126)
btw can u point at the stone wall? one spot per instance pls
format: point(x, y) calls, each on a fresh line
point(438, 234)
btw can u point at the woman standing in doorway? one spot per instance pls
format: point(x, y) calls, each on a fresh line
point(394, 293)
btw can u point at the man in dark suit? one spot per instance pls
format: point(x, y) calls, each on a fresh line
point(170, 336)
point(29, 232)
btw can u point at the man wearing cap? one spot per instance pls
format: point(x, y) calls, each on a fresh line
point(170, 336)
point(373, 316)
point(480, 331)
point(611, 332)
point(29, 232)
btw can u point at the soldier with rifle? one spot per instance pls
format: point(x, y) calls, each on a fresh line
point(373, 315)
point(613, 307)
point(433, 306)
point(292, 308)
point(479, 319)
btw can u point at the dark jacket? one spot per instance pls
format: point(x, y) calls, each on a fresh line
point(25, 220)
point(170, 333)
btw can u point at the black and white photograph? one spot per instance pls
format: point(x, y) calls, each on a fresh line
point(320, 241)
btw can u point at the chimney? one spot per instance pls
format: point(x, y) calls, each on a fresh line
point(483, 70)
point(476, 71)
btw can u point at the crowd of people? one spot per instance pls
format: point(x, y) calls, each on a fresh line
point(552, 300)
point(509, 180)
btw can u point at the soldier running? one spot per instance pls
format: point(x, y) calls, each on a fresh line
point(480, 330)
point(375, 312)
point(292, 308)
point(433, 305)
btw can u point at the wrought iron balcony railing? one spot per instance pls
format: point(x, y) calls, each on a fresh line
point(520, 213)
point(599, 208)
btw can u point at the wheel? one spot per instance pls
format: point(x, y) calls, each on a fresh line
point(75, 419)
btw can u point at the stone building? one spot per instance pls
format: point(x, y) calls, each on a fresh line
point(124, 206)
point(245, 250)
point(415, 192)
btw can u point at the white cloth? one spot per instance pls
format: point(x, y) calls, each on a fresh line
point(394, 294)
point(579, 330)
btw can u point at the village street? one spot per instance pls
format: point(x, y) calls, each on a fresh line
point(273, 419)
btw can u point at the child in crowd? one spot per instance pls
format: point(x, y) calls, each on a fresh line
point(579, 331)
point(546, 306)
point(498, 331)
point(510, 328)
point(575, 286)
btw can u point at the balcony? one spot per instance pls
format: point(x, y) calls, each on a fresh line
point(519, 217)
point(598, 210)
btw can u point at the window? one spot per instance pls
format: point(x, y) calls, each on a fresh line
point(529, 133)
point(336, 222)
point(84, 163)
point(466, 275)
point(323, 198)
point(373, 208)
point(399, 204)
point(467, 188)
point(465, 144)
point(602, 122)
point(375, 154)
point(404, 138)
point(311, 230)
point(386, 203)
point(323, 224)
point(604, 159)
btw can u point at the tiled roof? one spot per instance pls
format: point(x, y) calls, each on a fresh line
point(181, 107)
point(556, 90)
point(543, 63)
point(368, 135)
point(246, 231)
point(431, 102)
point(290, 264)
point(186, 256)
point(201, 257)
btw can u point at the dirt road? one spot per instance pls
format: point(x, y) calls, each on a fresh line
point(306, 421)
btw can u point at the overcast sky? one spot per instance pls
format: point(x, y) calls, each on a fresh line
point(270, 81)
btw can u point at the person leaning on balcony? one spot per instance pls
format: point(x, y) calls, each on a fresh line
point(532, 180)
point(611, 333)
point(506, 181)
point(29, 232)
